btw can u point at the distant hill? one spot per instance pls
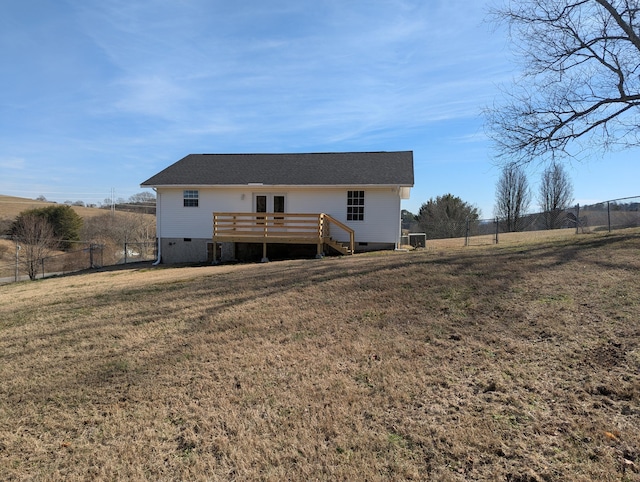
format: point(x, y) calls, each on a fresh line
point(11, 206)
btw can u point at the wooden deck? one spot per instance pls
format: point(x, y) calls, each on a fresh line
point(285, 228)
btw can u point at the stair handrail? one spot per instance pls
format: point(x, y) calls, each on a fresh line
point(344, 227)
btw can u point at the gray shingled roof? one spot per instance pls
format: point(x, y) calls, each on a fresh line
point(320, 169)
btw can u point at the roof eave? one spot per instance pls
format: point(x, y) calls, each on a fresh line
point(278, 186)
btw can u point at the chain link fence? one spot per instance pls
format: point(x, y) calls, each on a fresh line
point(85, 256)
point(603, 216)
point(609, 215)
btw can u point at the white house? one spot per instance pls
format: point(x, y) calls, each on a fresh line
point(249, 205)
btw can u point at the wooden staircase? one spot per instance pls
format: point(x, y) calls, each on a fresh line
point(325, 229)
point(342, 248)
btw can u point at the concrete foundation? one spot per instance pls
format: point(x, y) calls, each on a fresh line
point(200, 250)
point(184, 250)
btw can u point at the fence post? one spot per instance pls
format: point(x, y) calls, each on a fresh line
point(466, 234)
point(577, 217)
point(497, 230)
point(609, 215)
point(17, 262)
point(125, 253)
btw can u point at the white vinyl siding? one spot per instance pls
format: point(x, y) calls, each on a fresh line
point(381, 223)
point(177, 221)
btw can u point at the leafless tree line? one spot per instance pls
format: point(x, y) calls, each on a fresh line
point(109, 234)
point(514, 196)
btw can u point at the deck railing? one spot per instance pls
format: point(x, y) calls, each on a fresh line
point(290, 228)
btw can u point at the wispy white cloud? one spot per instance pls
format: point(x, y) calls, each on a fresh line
point(13, 163)
point(154, 96)
point(125, 84)
point(349, 65)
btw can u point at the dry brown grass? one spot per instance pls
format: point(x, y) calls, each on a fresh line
point(11, 206)
point(519, 238)
point(512, 363)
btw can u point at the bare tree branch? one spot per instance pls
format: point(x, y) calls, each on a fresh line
point(580, 88)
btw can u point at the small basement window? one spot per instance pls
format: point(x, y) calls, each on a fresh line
point(190, 198)
point(355, 205)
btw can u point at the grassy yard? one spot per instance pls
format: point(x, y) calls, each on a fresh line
point(516, 363)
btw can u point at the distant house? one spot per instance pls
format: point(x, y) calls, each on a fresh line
point(214, 207)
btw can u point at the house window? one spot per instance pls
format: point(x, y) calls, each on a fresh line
point(278, 204)
point(190, 198)
point(355, 205)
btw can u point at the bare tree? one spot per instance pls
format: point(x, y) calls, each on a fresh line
point(513, 197)
point(36, 238)
point(125, 227)
point(556, 194)
point(143, 197)
point(580, 86)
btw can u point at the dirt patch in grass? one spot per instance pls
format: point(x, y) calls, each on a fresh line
point(514, 363)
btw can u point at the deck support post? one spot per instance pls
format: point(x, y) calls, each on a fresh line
point(319, 252)
point(264, 253)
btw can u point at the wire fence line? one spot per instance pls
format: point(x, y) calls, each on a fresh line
point(609, 215)
point(89, 255)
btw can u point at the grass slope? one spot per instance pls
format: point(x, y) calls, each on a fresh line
point(494, 363)
point(11, 206)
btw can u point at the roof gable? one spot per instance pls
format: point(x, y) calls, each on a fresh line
point(315, 169)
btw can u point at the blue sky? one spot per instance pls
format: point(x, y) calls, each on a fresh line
point(98, 95)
